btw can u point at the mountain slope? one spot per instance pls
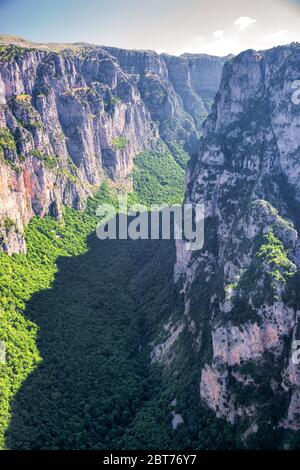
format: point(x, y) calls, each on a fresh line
point(95, 374)
point(63, 123)
point(72, 118)
point(209, 361)
point(242, 290)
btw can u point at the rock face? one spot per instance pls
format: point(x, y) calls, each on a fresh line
point(69, 119)
point(241, 290)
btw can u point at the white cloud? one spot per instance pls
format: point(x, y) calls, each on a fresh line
point(244, 22)
point(221, 46)
point(218, 34)
point(279, 37)
point(239, 35)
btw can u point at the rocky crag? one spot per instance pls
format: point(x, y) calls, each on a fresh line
point(72, 116)
point(242, 289)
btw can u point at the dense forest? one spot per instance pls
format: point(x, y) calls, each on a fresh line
point(67, 322)
point(78, 316)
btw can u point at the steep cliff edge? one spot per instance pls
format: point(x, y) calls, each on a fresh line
point(71, 118)
point(242, 289)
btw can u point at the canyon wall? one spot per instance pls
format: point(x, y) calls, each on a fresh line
point(70, 119)
point(241, 290)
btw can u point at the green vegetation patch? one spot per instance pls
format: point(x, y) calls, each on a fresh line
point(7, 140)
point(275, 257)
point(8, 223)
point(179, 154)
point(113, 100)
point(68, 175)
point(23, 275)
point(77, 316)
point(119, 143)
point(152, 88)
point(50, 161)
point(158, 178)
point(31, 125)
point(270, 268)
point(10, 52)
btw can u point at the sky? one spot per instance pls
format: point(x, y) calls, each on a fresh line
point(217, 27)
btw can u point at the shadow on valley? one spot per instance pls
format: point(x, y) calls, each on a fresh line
point(95, 324)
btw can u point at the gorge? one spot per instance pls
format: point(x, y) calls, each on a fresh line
point(132, 344)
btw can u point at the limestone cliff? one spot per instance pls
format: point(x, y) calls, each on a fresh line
point(71, 117)
point(242, 289)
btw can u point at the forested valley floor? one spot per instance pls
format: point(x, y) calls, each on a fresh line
point(78, 317)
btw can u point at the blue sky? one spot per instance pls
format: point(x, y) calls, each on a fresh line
point(175, 26)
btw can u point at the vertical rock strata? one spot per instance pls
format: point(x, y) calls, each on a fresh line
point(71, 118)
point(242, 289)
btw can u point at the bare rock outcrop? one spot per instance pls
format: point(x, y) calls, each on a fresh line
point(71, 117)
point(242, 290)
